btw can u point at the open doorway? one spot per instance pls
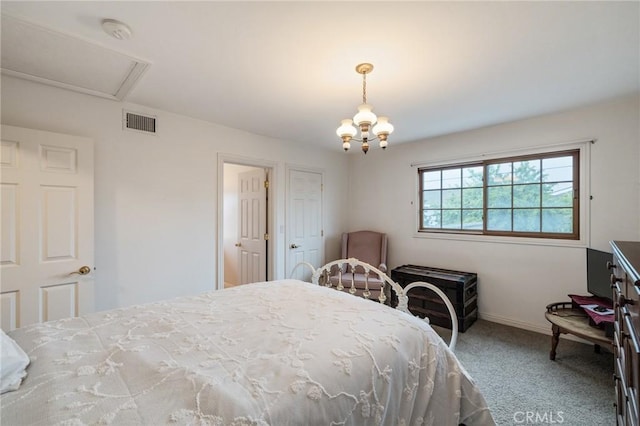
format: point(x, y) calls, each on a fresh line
point(245, 222)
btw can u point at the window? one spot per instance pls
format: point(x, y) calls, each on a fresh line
point(524, 196)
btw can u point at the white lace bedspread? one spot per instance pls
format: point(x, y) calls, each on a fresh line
point(277, 353)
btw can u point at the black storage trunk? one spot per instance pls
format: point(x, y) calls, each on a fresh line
point(460, 287)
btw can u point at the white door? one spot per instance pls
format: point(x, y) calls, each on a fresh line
point(305, 235)
point(252, 226)
point(46, 256)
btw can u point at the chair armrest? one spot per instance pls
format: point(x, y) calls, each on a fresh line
point(383, 267)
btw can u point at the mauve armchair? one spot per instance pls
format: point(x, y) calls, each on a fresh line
point(369, 247)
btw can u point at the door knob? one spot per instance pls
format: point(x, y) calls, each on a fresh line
point(238, 245)
point(84, 270)
point(294, 246)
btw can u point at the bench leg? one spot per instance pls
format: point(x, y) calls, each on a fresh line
point(555, 338)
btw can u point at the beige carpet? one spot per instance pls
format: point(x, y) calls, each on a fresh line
point(523, 387)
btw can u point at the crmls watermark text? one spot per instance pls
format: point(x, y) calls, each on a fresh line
point(538, 417)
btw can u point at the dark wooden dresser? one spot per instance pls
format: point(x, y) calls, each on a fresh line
point(625, 280)
point(460, 287)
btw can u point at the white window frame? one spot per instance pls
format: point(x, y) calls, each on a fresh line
point(585, 195)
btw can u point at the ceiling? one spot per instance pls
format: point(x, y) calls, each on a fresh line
point(287, 69)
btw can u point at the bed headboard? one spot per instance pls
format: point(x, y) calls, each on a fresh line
point(320, 276)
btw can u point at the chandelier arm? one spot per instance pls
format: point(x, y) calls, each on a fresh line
point(375, 138)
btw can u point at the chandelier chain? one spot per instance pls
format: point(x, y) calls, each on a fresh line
point(364, 88)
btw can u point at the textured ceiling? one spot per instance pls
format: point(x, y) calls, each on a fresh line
point(286, 69)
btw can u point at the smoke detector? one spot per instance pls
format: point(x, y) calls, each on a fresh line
point(116, 29)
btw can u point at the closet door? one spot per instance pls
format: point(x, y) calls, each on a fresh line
point(304, 222)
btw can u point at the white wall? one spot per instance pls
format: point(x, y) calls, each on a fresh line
point(156, 201)
point(156, 196)
point(516, 281)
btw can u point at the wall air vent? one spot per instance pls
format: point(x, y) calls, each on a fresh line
point(139, 123)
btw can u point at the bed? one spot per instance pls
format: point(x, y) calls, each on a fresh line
point(283, 352)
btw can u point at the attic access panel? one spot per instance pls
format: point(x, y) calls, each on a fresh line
point(46, 56)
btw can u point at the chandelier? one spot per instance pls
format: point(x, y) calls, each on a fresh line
point(364, 120)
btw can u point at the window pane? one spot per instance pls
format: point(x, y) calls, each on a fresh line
point(431, 199)
point(526, 171)
point(499, 174)
point(557, 220)
point(451, 219)
point(472, 219)
point(526, 220)
point(557, 169)
point(557, 194)
point(451, 178)
point(499, 219)
point(431, 180)
point(472, 176)
point(452, 198)
point(431, 219)
point(499, 196)
point(526, 195)
point(472, 198)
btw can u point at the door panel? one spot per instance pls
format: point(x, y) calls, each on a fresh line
point(47, 226)
point(59, 301)
point(9, 211)
point(58, 228)
point(305, 239)
point(9, 310)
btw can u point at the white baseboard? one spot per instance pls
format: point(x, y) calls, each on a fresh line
point(528, 326)
point(515, 323)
